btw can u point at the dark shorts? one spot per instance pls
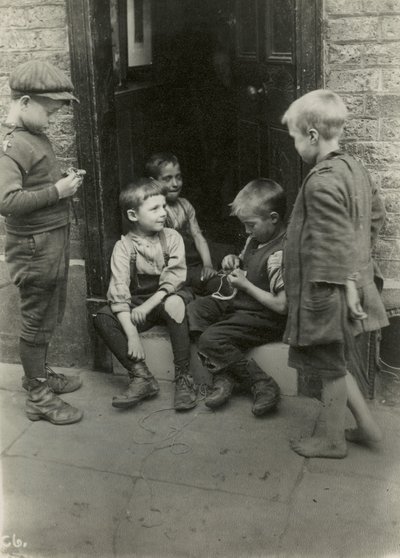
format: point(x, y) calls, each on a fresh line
point(329, 361)
point(38, 266)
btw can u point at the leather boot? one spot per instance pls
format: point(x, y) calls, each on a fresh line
point(58, 383)
point(185, 391)
point(142, 384)
point(266, 392)
point(222, 390)
point(42, 403)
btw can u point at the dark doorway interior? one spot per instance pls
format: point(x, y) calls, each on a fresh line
point(212, 90)
point(184, 102)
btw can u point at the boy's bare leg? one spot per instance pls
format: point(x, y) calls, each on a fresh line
point(366, 430)
point(332, 442)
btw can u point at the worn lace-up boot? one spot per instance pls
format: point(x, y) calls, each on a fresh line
point(58, 383)
point(185, 390)
point(142, 384)
point(266, 392)
point(221, 392)
point(43, 404)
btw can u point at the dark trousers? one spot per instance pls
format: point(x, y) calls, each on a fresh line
point(109, 328)
point(195, 286)
point(227, 333)
point(38, 266)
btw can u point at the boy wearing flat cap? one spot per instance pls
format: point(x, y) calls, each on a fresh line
point(35, 200)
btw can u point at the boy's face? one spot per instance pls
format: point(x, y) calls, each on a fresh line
point(171, 177)
point(150, 216)
point(261, 228)
point(306, 145)
point(36, 115)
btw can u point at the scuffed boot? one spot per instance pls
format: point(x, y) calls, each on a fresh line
point(266, 392)
point(58, 383)
point(185, 392)
point(142, 384)
point(222, 390)
point(43, 404)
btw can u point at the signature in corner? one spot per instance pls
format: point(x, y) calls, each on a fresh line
point(8, 541)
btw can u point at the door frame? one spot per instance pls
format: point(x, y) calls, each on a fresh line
point(90, 44)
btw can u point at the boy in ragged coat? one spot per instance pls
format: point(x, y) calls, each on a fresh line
point(329, 273)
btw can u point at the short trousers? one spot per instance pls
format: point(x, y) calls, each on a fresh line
point(38, 266)
point(329, 360)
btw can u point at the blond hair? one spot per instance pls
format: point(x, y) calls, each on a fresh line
point(321, 109)
point(262, 196)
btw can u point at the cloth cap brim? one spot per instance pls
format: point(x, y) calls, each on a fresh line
point(55, 95)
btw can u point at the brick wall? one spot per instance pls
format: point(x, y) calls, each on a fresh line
point(362, 64)
point(38, 29)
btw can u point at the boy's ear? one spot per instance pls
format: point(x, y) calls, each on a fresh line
point(275, 217)
point(313, 135)
point(131, 215)
point(24, 101)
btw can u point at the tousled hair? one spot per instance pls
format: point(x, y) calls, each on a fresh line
point(135, 193)
point(157, 161)
point(321, 109)
point(262, 195)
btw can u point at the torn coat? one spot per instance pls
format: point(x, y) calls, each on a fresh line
point(334, 224)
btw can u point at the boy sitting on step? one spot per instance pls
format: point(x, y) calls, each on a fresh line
point(256, 313)
point(147, 269)
point(201, 276)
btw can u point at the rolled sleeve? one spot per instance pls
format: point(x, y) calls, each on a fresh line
point(274, 269)
point(119, 295)
point(174, 273)
point(193, 223)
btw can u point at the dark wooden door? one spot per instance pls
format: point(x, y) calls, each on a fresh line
point(277, 60)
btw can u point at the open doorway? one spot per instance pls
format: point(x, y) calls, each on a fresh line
point(211, 88)
point(175, 92)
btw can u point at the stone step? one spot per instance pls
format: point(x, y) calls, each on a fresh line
point(272, 358)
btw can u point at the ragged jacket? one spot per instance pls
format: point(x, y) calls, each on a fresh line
point(334, 224)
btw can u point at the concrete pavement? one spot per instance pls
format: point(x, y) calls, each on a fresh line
point(148, 482)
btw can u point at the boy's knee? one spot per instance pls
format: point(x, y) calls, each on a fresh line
point(205, 341)
point(175, 308)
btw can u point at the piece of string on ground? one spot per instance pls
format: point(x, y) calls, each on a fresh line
point(175, 447)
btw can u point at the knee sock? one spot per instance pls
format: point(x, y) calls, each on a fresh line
point(33, 358)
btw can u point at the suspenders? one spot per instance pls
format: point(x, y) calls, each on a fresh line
point(164, 247)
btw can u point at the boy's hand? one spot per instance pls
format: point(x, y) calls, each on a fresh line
point(68, 185)
point(356, 311)
point(237, 278)
point(230, 262)
point(139, 314)
point(207, 272)
point(135, 348)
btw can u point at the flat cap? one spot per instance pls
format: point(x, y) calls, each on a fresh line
point(40, 77)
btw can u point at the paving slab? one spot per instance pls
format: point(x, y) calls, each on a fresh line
point(149, 482)
point(61, 511)
point(344, 516)
point(199, 448)
point(13, 422)
point(169, 521)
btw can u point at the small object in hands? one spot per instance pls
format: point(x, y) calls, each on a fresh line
point(72, 170)
point(225, 290)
